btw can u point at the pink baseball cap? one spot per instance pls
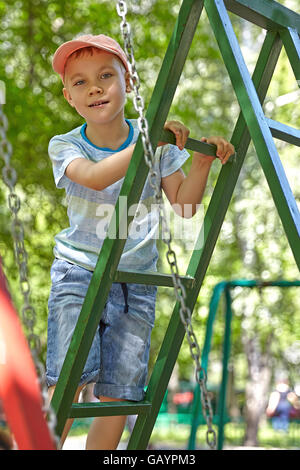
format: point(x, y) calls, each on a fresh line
point(101, 42)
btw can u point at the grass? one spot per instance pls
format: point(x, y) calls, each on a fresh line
point(168, 433)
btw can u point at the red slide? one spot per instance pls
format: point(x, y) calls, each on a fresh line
point(19, 387)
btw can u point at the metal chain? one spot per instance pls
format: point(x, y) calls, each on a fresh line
point(17, 230)
point(184, 311)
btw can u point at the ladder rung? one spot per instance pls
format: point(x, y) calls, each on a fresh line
point(153, 278)
point(284, 132)
point(116, 408)
point(193, 144)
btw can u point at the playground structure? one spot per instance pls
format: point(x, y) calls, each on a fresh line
point(283, 28)
point(19, 386)
point(223, 288)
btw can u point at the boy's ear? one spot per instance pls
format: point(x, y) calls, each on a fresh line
point(127, 81)
point(68, 97)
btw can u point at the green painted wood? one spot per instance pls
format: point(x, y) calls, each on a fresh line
point(120, 408)
point(172, 66)
point(257, 124)
point(267, 14)
point(191, 144)
point(194, 144)
point(283, 132)
point(152, 278)
point(225, 362)
point(291, 42)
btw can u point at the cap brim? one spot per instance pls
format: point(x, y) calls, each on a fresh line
point(63, 52)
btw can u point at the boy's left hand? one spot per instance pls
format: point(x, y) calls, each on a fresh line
point(179, 130)
point(224, 148)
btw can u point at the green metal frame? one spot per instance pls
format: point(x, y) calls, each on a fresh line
point(223, 288)
point(284, 26)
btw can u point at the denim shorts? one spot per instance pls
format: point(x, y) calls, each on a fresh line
point(118, 359)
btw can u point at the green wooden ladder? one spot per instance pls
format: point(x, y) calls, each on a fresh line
point(283, 26)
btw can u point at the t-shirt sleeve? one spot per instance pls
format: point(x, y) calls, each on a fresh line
point(61, 154)
point(172, 159)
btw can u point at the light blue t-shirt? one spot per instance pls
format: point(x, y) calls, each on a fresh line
point(90, 211)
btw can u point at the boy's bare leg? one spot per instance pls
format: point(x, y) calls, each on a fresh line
point(69, 422)
point(106, 431)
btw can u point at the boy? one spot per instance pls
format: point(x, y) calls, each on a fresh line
point(90, 162)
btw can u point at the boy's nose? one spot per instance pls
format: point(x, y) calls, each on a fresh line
point(95, 89)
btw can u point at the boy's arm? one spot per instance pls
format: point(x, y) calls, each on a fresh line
point(104, 173)
point(185, 192)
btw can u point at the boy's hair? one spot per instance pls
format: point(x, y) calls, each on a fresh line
point(80, 52)
point(101, 42)
point(88, 50)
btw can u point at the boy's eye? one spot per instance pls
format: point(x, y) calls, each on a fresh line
point(79, 82)
point(106, 75)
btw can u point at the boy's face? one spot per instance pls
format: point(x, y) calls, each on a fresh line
point(96, 86)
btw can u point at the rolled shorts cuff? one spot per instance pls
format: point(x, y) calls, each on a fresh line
point(86, 378)
point(119, 391)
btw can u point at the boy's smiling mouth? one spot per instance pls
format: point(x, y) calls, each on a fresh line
point(98, 104)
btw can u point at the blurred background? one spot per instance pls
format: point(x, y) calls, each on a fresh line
point(252, 244)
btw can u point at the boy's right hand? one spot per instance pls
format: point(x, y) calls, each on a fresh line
point(179, 130)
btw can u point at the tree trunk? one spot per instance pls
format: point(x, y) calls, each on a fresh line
point(259, 368)
point(231, 401)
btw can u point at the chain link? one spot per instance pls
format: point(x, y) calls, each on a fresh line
point(17, 230)
point(184, 311)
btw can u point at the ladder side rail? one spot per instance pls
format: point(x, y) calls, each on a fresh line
point(267, 14)
point(172, 66)
point(226, 355)
point(257, 124)
point(291, 42)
